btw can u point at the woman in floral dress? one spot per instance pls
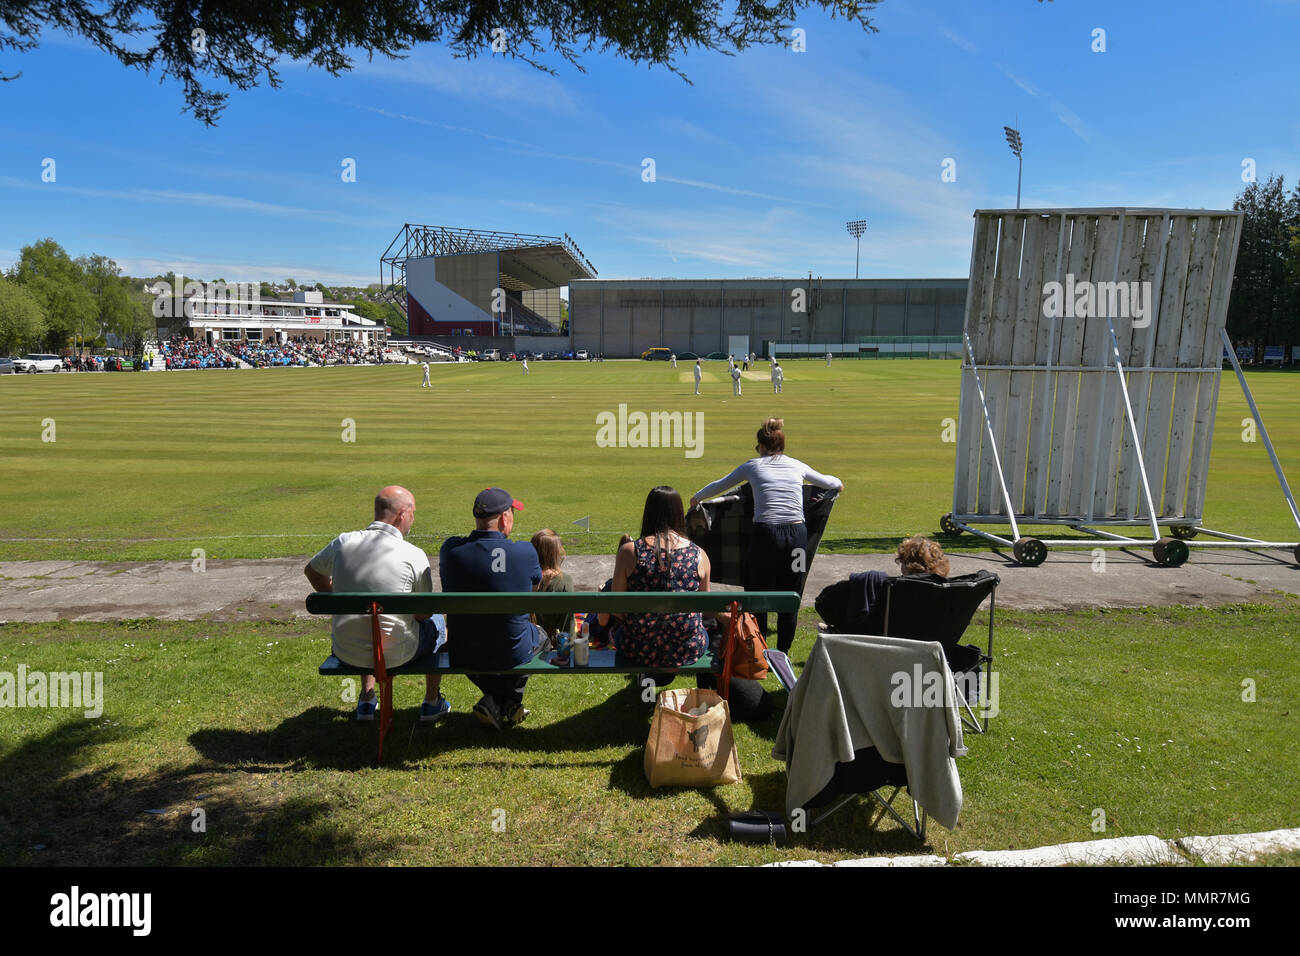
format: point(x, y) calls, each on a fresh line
point(661, 559)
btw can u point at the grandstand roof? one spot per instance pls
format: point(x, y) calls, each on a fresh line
point(527, 261)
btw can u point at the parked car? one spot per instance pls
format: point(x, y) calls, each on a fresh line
point(652, 355)
point(489, 355)
point(717, 355)
point(39, 362)
point(7, 366)
point(551, 356)
point(688, 356)
point(581, 355)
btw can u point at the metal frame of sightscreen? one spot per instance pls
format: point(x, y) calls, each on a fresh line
point(1094, 406)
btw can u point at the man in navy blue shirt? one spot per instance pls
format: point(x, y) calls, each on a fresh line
point(487, 560)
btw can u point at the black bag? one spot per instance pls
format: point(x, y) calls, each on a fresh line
point(746, 699)
point(855, 606)
point(833, 605)
point(758, 826)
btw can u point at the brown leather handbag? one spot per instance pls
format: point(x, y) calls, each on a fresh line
point(744, 651)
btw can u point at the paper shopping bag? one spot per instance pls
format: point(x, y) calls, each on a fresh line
point(690, 742)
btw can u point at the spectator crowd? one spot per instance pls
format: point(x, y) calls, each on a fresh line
point(180, 351)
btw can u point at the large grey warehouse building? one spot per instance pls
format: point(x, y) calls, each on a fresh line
point(625, 317)
point(491, 289)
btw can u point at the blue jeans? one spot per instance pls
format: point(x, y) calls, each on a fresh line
point(433, 634)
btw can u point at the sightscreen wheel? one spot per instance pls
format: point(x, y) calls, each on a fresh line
point(1030, 552)
point(1171, 552)
point(1296, 554)
point(1183, 532)
point(948, 525)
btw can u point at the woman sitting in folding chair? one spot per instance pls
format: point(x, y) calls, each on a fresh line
point(857, 606)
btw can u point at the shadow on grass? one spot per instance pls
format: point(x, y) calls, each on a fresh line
point(54, 811)
point(855, 829)
point(327, 738)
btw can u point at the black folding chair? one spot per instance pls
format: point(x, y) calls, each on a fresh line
point(927, 607)
point(867, 774)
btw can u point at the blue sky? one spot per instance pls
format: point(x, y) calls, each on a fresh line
point(758, 163)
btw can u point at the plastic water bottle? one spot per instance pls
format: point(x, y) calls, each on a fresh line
point(582, 647)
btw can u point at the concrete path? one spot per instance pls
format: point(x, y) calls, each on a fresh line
point(1230, 849)
point(101, 591)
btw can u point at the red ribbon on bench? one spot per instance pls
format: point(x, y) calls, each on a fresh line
point(381, 677)
point(733, 627)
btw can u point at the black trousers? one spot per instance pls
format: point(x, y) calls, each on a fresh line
point(778, 555)
point(505, 689)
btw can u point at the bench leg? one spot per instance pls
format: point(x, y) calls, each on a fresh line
point(385, 713)
point(381, 678)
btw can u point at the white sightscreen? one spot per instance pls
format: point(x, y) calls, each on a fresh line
point(1049, 380)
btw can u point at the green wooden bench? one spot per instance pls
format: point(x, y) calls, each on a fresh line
point(529, 602)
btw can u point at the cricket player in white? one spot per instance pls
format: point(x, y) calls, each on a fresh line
point(828, 359)
point(697, 376)
point(672, 360)
point(524, 365)
point(778, 379)
point(735, 380)
point(425, 366)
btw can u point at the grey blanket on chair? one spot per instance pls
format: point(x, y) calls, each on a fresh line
point(891, 694)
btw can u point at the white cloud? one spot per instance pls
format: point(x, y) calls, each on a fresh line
point(237, 271)
point(484, 77)
point(206, 200)
point(784, 242)
point(959, 40)
point(1063, 112)
point(534, 207)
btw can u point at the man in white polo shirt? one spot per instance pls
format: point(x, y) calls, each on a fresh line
point(379, 558)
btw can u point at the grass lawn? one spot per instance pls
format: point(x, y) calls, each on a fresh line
point(253, 464)
point(1138, 713)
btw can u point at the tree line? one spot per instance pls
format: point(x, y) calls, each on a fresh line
point(51, 302)
point(1265, 305)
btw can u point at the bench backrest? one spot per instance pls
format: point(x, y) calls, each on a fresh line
point(530, 602)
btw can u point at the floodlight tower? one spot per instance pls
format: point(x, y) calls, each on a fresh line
point(856, 228)
point(1013, 140)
